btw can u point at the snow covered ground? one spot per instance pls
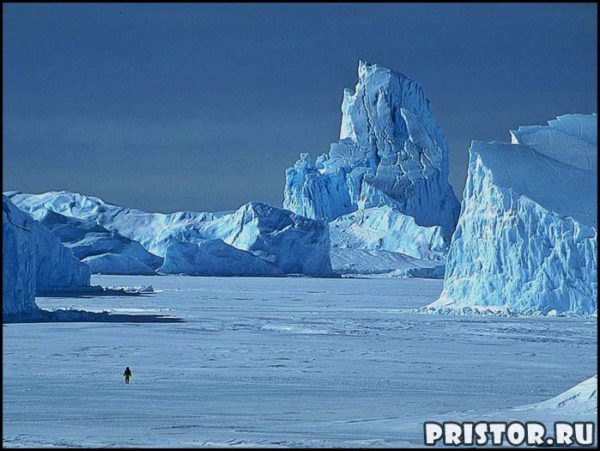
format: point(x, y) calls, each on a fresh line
point(280, 362)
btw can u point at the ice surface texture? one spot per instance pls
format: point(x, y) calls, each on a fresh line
point(350, 262)
point(33, 259)
point(390, 153)
point(18, 262)
point(579, 400)
point(527, 234)
point(343, 361)
point(104, 251)
point(385, 228)
point(214, 258)
point(289, 242)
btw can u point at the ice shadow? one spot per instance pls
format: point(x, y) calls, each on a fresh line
point(89, 292)
point(82, 316)
point(38, 315)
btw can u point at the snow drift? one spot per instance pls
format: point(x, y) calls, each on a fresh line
point(33, 259)
point(390, 153)
point(526, 239)
point(582, 399)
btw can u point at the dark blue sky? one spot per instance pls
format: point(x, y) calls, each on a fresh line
point(203, 107)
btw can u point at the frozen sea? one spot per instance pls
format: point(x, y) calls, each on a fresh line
point(277, 362)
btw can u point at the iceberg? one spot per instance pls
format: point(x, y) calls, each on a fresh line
point(111, 263)
point(214, 258)
point(526, 239)
point(151, 230)
point(351, 262)
point(295, 244)
point(104, 251)
point(385, 228)
point(390, 153)
point(33, 259)
point(18, 262)
point(290, 242)
point(384, 187)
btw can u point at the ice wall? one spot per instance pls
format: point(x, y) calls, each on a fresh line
point(104, 251)
point(527, 234)
point(33, 259)
point(294, 244)
point(385, 228)
point(18, 262)
point(390, 153)
point(214, 258)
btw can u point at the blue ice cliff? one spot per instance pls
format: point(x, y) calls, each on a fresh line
point(382, 191)
point(390, 153)
point(257, 239)
point(104, 251)
point(384, 186)
point(526, 240)
point(33, 260)
point(214, 258)
point(385, 228)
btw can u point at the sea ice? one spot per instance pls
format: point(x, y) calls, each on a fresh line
point(272, 362)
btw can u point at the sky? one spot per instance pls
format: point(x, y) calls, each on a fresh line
point(202, 107)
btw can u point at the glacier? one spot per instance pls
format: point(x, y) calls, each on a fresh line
point(33, 260)
point(390, 153)
point(289, 242)
point(526, 239)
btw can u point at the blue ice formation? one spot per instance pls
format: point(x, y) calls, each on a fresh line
point(390, 153)
point(289, 242)
point(381, 263)
point(383, 185)
point(33, 260)
point(214, 258)
point(527, 238)
point(385, 228)
point(104, 251)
